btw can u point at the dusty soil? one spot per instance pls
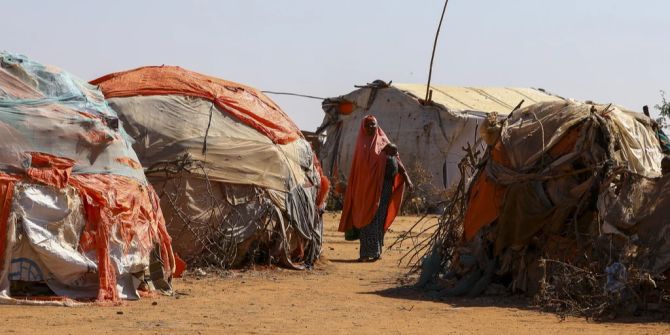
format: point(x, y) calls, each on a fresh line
point(340, 296)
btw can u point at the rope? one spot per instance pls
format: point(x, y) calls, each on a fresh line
point(294, 94)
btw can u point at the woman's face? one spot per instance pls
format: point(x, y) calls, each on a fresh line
point(370, 127)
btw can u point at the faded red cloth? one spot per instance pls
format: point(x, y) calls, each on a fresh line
point(366, 178)
point(49, 169)
point(120, 208)
point(7, 183)
point(116, 207)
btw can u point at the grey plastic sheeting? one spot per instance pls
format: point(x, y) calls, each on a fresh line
point(50, 222)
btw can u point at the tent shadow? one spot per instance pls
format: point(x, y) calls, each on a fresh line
point(408, 292)
point(336, 260)
point(514, 302)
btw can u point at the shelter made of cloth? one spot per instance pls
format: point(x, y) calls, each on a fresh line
point(430, 135)
point(234, 172)
point(76, 211)
point(566, 186)
point(538, 142)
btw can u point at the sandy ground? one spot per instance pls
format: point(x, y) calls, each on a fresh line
point(340, 297)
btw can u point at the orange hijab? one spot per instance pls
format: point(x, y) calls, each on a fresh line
point(366, 178)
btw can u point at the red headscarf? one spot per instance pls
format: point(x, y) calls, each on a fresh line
point(366, 178)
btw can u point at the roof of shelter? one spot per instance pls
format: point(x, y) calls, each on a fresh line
point(481, 99)
point(247, 104)
point(40, 103)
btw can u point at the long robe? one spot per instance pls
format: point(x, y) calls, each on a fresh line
point(366, 177)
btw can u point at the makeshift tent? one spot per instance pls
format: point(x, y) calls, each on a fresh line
point(76, 211)
point(567, 205)
point(430, 136)
point(237, 180)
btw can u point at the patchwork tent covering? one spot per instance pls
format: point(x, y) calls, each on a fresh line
point(567, 205)
point(430, 136)
point(238, 182)
point(76, 211)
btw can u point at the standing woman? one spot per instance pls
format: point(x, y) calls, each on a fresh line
point(374, 189)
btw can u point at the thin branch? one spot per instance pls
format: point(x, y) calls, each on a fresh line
point(432, 57)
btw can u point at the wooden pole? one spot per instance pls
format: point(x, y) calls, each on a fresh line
point(432, 57)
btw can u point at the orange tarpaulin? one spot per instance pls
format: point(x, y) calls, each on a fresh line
point(395, 201)
point(115, 207)
point(324, 186)
point(49, 169)
point(567, 143)
point(247, 104)
point(483, 205)
point(6, 192)
point(485, 197)
point(366, 178)
point(118, 207)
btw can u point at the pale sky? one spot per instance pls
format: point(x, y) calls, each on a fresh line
point(603, 50)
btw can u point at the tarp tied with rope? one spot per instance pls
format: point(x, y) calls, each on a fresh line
point(237, 180)
point(243, 102)
point(77, 216)
point(568, 205)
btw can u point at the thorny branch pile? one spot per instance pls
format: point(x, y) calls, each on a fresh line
point(209, 232)
point(568, 205)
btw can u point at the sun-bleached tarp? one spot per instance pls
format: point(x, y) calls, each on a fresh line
point(639, 149)
point(529, 132)
point(44, 109)
point(166, 127)
point(501, 100)
point(247, 180)
point(429, 137)
point(245, 103)
point(55, 129)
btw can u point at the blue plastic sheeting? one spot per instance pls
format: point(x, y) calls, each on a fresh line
point(44, 109)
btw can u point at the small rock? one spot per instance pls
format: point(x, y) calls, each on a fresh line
point(200, 272)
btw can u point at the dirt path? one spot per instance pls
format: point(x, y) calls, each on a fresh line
point(340, 297)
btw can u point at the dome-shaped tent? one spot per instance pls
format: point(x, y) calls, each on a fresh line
point(237, 180)
point(76, 212)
